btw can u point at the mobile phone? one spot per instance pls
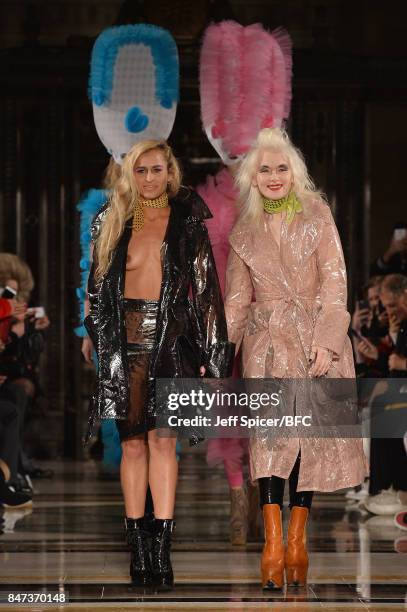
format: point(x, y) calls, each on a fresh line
point(37, 311)
point(356, 334)
point(9, 293)
point(399, 233)
point(363, 304)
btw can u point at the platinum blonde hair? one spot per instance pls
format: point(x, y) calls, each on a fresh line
point(124, 195)
point(276, 140)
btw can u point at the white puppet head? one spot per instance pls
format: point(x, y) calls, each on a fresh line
point(133, 86)
point(245, 85)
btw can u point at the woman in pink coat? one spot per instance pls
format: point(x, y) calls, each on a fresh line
point(286, 255)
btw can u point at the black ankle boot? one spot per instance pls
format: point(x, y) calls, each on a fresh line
point(140, 564)
point(160, 554)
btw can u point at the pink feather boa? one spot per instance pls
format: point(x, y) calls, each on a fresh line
point(220, 194)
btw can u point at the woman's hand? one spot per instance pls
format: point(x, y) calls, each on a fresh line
point(394, 324)
point(368, 349)
point(87, 349)
point(395, 246)
point(360, 318)
point(396, 362)
point(42, 323)
point(383, 319)
point(322, 359)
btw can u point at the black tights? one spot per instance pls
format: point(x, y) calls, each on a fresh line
point(272, 490)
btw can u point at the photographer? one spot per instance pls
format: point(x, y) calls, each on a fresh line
point(388, 459)
point(9, 308)
point(24, 345)
point(369, 331)
point(22, 332)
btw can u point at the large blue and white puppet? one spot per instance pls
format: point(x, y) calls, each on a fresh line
point(134, 90)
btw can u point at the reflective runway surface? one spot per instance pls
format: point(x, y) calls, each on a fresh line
point(72, 541)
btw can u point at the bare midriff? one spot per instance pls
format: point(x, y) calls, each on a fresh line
point(143, 264)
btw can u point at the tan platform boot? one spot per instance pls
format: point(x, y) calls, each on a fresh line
point(296, 556)
point(272, 560)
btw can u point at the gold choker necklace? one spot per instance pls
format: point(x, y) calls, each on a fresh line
point(138, 214)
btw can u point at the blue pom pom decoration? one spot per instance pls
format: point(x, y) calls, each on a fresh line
point(166, 102)
point(135, 120)
point(88, 206)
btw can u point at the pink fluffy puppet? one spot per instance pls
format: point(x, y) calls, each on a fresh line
point(245, 85)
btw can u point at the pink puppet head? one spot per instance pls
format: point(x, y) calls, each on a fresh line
point(245, 84)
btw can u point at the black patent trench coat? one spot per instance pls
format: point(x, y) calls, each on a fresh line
point(189, 332)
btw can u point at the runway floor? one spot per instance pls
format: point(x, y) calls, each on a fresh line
point(71, 542)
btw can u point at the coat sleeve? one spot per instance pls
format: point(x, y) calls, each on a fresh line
point(333, 319)
point(238, 297)
point(218, 352)
point(91, 321)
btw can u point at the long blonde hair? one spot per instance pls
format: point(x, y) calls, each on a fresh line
point(112, 173)
point(274, 139)
point(123, 197)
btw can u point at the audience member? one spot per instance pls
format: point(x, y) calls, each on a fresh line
point(388, 459)
point(9, 453)
point(394, 259)
point(22, 333)
point(370, 332)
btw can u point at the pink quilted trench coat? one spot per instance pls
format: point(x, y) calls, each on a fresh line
point(300, 298)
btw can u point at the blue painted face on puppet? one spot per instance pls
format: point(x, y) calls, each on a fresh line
point(134, 86)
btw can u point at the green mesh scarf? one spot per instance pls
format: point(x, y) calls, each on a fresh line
point(289, 203)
